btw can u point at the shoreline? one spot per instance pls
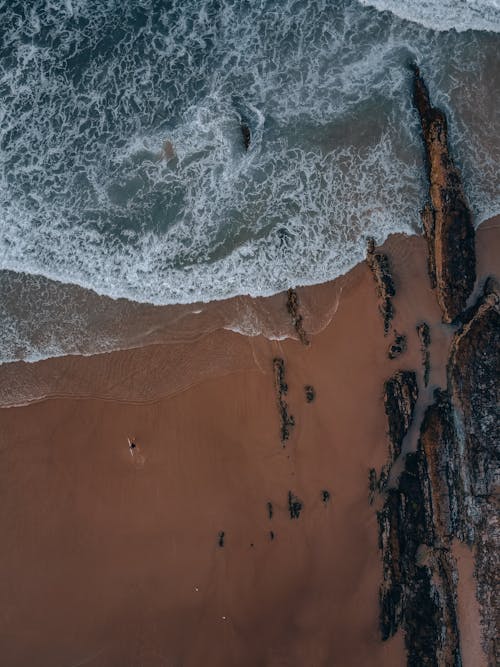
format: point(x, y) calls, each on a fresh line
point(318, 303)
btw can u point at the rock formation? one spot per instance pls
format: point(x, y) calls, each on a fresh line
point(379, 266)
point(398, 346)
point(245, 133)
point(473, 373)
point(292, 304)
point(418, 587)
point(310, 393)
point(400, 397)
point(424, 336)
point(448, 490)
point(286, 419)
point(295, 505)
point(446, 217)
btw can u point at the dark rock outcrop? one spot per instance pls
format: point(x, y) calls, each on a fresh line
point(473, 386)
point(287, 422)
point(310, 393)
point(448, 490)
point(398, 346)
point(292, 305)
point(424, 336)
point(380, 268)
point(446, 218)
point(295, 505)
point(400, 396)
point(418, 589)
point(418, 585)
point(245, 133)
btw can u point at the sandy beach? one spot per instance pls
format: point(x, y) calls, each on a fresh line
point(183, 550)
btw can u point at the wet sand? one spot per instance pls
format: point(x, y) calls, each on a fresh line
point(112, 557)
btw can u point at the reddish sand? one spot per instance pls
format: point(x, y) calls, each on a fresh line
point(112, 559)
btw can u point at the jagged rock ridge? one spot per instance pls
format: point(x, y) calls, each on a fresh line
point(378, 264)
point(418, 587)
point(446, 218)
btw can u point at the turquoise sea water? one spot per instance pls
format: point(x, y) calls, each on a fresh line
point(122, 165)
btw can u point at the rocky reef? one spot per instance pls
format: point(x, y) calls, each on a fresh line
point(424, 336)
point(378, 264)
point(446, 217)
point(473, 372)
point(292, 305)
point(448, 490)
point(418, 587)
point(400, 397)
point(287, 422)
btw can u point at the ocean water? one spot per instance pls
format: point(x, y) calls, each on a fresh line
point(123, 169)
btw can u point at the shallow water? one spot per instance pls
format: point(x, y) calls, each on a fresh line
point(123, 170)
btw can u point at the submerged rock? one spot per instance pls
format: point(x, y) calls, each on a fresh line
point(446, 218)
point(245, 133)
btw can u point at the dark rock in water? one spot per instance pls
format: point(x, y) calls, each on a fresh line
point(286, 420)
point(424, 336)
point(325, 496)
point(397, 348)
point(447, 219)
point(380, 268)
point(292, 304)
point(310, 393)
point(295, 506)
point(247, 137)
point(220, 538)
point(400, 396)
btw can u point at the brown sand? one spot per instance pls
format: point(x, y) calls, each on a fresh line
point(112, 559)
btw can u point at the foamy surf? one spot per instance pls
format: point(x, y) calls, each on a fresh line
point(123, 170)
point(444, 14)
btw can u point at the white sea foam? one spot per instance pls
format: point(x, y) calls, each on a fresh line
point(444, 14)
point(90, 92)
